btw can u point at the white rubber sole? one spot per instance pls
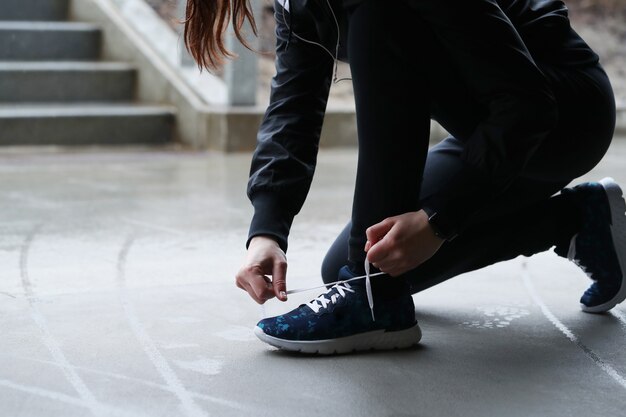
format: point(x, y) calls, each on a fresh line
point(375, 340)
point(617, 206)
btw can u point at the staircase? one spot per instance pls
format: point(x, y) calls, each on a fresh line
point(54, 89)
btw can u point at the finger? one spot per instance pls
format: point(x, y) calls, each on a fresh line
point(379, 230)
point(249, 273)
point(261, 287)
point(390, 267)
point(252, 293)
point(368, 245)
point(240, 280)
point(380, 251)
point(252, 279)
point(279, 280)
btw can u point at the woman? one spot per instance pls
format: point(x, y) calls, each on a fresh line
point(528, 108)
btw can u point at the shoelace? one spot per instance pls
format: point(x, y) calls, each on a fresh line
point(341, 287)
point(322, 301)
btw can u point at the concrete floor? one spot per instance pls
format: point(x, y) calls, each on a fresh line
point(117, 298)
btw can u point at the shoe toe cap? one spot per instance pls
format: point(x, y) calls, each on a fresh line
point(274, 326)
point(596, 295)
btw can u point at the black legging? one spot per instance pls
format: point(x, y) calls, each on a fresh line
point(402, 78)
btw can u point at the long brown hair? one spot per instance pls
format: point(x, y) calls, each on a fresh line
point(206, 22)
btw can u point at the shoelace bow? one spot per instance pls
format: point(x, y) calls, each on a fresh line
point(341, 287)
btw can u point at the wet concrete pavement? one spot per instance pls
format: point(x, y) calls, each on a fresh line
point(117, 297)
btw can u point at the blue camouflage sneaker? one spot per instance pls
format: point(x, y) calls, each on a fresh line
point(341, 321)
point(599, 248)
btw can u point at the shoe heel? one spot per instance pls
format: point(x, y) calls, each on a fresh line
point(615, 194)
point(617, 206)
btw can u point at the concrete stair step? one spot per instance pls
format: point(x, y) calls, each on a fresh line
point(44, 41)
point(85, 124)
point(34, 10)
point(66, 81)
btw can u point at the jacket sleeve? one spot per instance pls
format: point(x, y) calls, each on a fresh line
point(288, 139)
point(492, 59)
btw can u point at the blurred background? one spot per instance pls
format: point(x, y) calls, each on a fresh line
point(107, 72)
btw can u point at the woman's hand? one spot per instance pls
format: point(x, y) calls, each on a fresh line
point(264, 258)
point(400, 243)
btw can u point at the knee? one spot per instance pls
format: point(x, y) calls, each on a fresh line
point(336, 257)
point(546, 113)
point(537, 114)
point(330, 268)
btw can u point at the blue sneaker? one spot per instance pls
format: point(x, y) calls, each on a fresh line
point(341, 321)
point(599, 248)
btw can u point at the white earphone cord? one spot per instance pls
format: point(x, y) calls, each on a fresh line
point(334, 57)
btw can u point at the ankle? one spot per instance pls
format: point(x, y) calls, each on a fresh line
point(356, 268)
point(386, 287)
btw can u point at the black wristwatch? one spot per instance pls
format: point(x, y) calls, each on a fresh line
point(442, 229)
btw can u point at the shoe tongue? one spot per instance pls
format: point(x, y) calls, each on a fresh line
point(359, 285)
point(346, 274)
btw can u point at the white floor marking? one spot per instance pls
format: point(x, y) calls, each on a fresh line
point(49, 341)
point(618, 315)
point(148, 345)
point(227, 403)
point(171, 346)
point(206, 366)
point(496, 316)
point(237, 334)
point(606, 367)
point(57, 396)
point(183, 320)
point(152, 226)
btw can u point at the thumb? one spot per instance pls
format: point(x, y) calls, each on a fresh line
point(279, 280)
point(379, 230)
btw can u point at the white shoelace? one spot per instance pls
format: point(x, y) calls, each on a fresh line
point(342, 287)
point(322, 301)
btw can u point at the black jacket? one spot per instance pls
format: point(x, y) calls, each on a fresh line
point(284, 161)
